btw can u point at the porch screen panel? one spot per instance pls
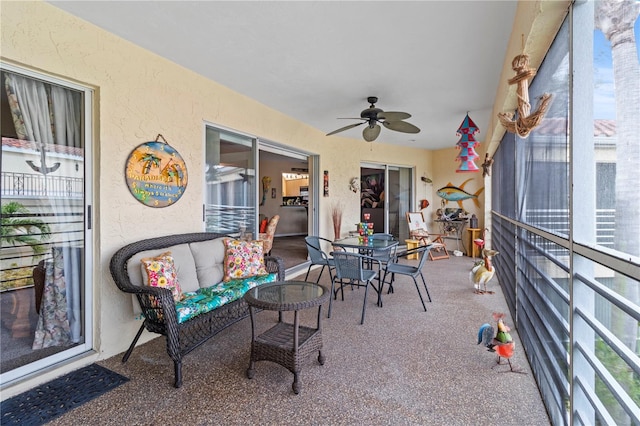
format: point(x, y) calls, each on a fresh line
point(503, 232)
point(542, 158)
point(578, 271)
point(503, 239)
point(503, 182)
point(530, 188)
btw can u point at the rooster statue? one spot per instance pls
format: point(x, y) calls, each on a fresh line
point(502, 344)
point(482, 272)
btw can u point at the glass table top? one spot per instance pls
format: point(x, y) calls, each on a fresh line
point(286, 293)
point(354, 242)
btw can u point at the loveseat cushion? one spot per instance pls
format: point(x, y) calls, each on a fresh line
point(160, 271)
point(209, 259)
point(209, 298)
point(243, 259)
point(183, 262)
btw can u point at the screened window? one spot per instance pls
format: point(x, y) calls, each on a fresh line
point(575, 237)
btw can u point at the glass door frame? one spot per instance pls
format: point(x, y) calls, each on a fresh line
point(258, 144)
point(314, 177)
point(87, 300)
point(247, 222)
point(412, 193)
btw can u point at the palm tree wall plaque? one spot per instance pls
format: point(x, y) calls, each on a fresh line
point(150, 160)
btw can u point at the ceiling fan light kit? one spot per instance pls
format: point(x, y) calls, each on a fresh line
point(392, 120)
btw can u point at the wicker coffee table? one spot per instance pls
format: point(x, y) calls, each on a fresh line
point(284, 343)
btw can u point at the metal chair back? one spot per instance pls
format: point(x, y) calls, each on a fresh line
point(314, 248)
point(350, 267)
point(317, 256)
point(423, 253)
point(396, 268)
point(383, 255)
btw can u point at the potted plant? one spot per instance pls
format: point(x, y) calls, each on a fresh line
point(336, 216)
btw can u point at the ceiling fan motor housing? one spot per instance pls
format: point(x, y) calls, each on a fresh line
point(371, 114)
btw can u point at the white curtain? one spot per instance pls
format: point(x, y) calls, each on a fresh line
point(44, 113)
point(31, 114)
point(65, 109)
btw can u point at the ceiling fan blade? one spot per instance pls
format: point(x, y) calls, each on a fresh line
point(401, 126)
point(393, 115)
point(342, 129)
point(371, 133)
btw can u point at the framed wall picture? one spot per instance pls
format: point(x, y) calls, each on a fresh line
point(326, 183)
point(273, 193)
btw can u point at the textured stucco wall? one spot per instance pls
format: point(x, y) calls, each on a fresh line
point(137, 96)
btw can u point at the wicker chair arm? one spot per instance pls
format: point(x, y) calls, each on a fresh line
point(157, 305)
point(275, 264)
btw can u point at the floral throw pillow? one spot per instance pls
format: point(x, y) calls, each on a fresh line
point(160, 271)
point(243, 259)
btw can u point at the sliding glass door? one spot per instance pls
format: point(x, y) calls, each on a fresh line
point(386, 194)
point(45, 252)
point(230, 182)
point(400, 195)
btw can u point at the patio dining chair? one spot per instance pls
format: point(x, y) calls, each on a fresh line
point(410, 270)
point(318, 256)
point(383, 255)
point(350, 270)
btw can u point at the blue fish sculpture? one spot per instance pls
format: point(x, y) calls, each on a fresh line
point(458, 194)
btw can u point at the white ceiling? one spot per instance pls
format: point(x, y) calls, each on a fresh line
point(317, 61)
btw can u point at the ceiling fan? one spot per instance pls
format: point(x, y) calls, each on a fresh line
point(392, 120)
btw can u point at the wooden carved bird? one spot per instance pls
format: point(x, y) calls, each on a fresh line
point(502, 344)
point(483, 272)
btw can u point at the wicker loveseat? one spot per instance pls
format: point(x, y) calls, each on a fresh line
point(199, 257)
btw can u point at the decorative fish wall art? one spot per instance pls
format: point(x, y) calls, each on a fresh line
point(458, 194)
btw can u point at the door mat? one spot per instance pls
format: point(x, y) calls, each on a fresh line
point(50, 400)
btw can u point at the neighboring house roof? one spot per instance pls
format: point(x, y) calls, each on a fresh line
point(558, 126)
point(33, 146)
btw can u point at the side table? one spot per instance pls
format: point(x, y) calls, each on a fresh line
point(284, 343)
point(473, 250)
point(453, 229)
point(411, 244)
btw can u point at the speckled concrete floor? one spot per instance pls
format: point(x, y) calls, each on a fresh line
point(404, 366)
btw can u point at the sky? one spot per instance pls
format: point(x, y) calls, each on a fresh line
point(604, 99)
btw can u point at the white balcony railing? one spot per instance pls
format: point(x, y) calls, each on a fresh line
point(32, 185)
